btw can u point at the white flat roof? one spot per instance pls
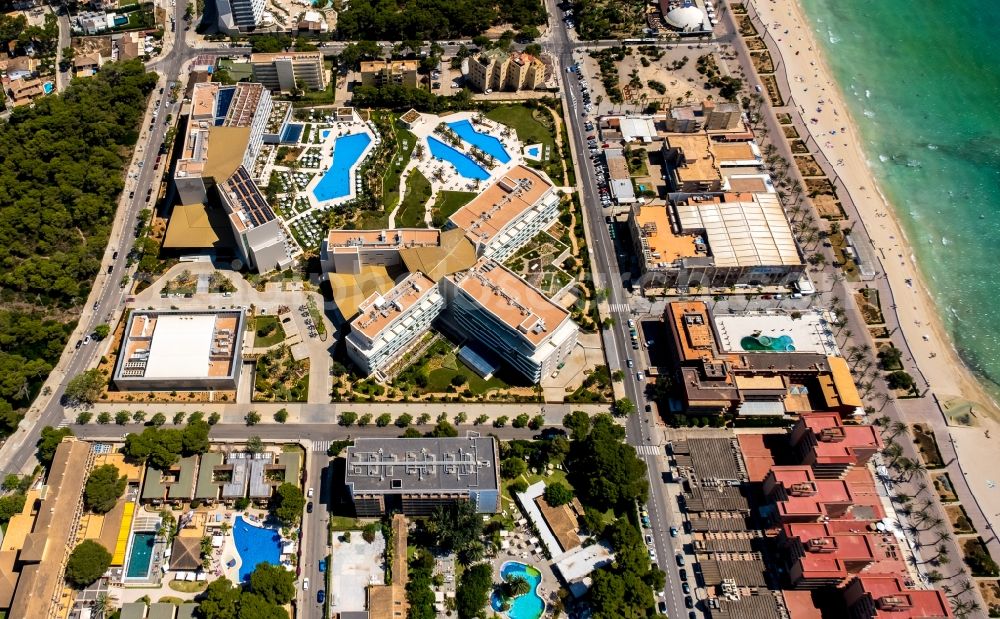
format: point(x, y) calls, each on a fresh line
point(810, 333)
point(181, 346)
point(749, 231)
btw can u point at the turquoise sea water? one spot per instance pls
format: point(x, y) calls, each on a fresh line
point(922, 79)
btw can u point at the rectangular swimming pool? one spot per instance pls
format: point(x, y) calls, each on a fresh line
point(141, 555)
point(485, 142)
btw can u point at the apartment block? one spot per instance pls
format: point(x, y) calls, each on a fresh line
point(285, 71)
point(388, 325)
point(415, 476)
point(889, 597)
point(799, 496)
point(491, 306)
point(389, 72)
point(826, 554)
point(509, 213)
point(831, 447)
point(236, 16)
point(497, 69)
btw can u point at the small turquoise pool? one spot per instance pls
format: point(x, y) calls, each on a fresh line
point(325, 133)
point(782, 343)
point(47, 88)
point(336, 182)
point(527, 606)
point(485, 142)
point(535, 152)
point(255, 545)
point(461, 162)
point(141, 555)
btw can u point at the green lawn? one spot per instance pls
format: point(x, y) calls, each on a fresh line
point(418, 192)
point(440, 378)
point(275, 337)
point(521, 119)
point(448, 202)
point(372, 220)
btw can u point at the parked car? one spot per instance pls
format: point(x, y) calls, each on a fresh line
point(305, 584)
point(321, 596)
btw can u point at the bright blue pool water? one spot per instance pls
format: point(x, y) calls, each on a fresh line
point(325, 133)
point(462, 162)
point(255, 545)
point(47, 87)
point(782, 343)
point(336, 182)
point(527, 606)
point(486, 143)
point(141, 555)
point(534, 152)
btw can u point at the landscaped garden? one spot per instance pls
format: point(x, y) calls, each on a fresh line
point(413, 209)
point(533, 126)
point(439, 370)
point(538, 263)
point(446, 203)
point(267, 331)
point(280, 378)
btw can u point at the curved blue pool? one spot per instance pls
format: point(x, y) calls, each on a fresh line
point(528, 606)
point(336, 182)
point(255, 545)
point(761, 342)
point(486, 142)
point(462, 162)
point(47, 88)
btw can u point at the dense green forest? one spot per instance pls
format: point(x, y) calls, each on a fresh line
point(429, 20)
point(61, 165)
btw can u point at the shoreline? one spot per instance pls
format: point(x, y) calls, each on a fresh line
point(819, 97)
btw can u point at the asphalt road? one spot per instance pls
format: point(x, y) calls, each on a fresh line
point(617, 343)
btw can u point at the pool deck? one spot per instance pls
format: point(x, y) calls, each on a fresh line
point(326, 160)
point(441, 174)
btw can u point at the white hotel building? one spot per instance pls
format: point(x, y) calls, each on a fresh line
point(509, 213)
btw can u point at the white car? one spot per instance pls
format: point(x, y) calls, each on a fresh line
point(639, 376)
point(305, 584)
point(310, 493)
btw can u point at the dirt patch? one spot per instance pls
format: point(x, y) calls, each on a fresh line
point(879, 333)
point(790, 132)
point(959, 520)
point(772, 90)
point(828, 207)
point(820, 187)
point(785, 118)
point(923, 438)
point(755, 44)
point(806, 163)
point(798, 147)
point(943, 487)
point(762, 62)
point(990, 589)
point(747, 28)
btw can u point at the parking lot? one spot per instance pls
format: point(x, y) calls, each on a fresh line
point(355, 565)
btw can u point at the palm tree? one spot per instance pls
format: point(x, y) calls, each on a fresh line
point(102, 605)
point(515, 586)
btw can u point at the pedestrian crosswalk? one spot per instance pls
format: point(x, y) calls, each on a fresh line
point(321, 446)
point(649, 450)
point(620, 308)
point(63, 423)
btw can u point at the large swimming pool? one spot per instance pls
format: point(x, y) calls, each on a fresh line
point(462, 162)
point(761, 342)
point(527, 606)
point(486, 143)
point(336, 182)
point(255, 545)
point(141, 555)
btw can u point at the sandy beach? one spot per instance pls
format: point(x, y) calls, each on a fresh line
point(821, 104)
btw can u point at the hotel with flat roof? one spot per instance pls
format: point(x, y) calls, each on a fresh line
point(716, 242)
point(284, 71)
point(415, 476)
point(796, 372)
point(509, 213)
point(180, 350)
point(387, 325)
point(383, 72)
point(226, 129)
point(495, 308)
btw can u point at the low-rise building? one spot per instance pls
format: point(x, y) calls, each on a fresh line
point(37, 542)
point(619, 178)
point(87, 65)
point(389, 72)
point(180, 350)
point(732, 240)
point(826, 554)
point(25, 90)
point(415, 476)
point(498, 69)
point(799, 496)
point(286, 71)
point(508, 319)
